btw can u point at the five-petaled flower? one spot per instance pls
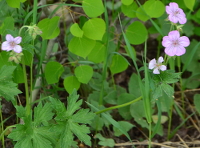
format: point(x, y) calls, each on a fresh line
point(174, 44)
point(176, 14)
point(156, 66)
point(11, 43)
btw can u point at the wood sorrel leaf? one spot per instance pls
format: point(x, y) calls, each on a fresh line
point(127, 2)
point(93, 8)
point(141, 14)
point(81, 46)
point(53, 71)
point(190, 4)
point(154, 8)
point(136, 33)
point(70, 83)
point(94, 28)
point(130, 10)
point(124, 124)
point(14, 4)
point(118, 64)
point(76, 30)
point(83, 73)
point(98, 53)
point(50, 27)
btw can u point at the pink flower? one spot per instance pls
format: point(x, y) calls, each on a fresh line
point(176, 14)
point(156, 66)
point(11, 43)
point(174, 44)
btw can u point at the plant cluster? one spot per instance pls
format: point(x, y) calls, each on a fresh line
point(98, 43)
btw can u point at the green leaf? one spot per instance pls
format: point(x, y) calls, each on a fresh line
point(70, 83)
point(93, 8)
point(197, 102)
point(118, 64)
point(138, 113)
point(83, 73)
point(27, 58)
point(136, 33)
point(98, 53)
point(42, 114)
point(94, 28)
point(50, 27)
point(141, 14)
point(8, 24)
point(133, 85)
point(105, 141)
point(13, 3)
point(125, 111)
point(127, 2)
point(129, 10)
point(8, 89)
point(154, 8)
point(190, 4)
point(81, 46)
point(80, 116)
point(18, 73)
point(53, 71)
point(76, 31)
point(124, 124)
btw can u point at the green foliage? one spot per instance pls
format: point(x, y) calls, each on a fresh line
point(15, 3)
point(81, 46)
point(190, 4)
point(154, 8)
point(93, 8)
point(44, 131)
point(83, 73)
point(126, 125)
point(8, 24)
point(118, 64)
point(136, 33)
point(129, 10)
point(94, 28)
point(127, 2)
point(105, 141)
point(53, 71)
point(49, 27)
point(71, 82)
point(141, 14)
point(8, 89)
point(76, 31)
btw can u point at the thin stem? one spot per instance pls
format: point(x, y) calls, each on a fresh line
point(28, 108)
point(2, 128)
point(35, 11)
point(119, 106)
point(169, 124)
point(149, 135)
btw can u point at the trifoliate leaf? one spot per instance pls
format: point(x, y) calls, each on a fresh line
point(127, 2)
point(71, 83)
point(76, 30)
point(83, 73)
point(130, 10)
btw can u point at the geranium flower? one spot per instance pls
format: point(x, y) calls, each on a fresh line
point(174, 44)
point(11, 43)
point(176, 14)
point(156, 66)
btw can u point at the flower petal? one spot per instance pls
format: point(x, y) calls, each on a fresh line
point(184, 41)
point(152, 64)
point(9, 38)
point(173, 18)
point(6, 46)
point(174, 35)
point(171, 51)
point(156, 71)
point(166, 42)
point(17, 49)
point(180, 51)
point(160, 60)
point(163, 67)
point(17, 40)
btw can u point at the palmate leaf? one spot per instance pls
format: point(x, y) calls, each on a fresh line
point(8, 89)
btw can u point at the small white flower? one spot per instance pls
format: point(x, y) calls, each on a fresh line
point(156, 66)
point(11, 43)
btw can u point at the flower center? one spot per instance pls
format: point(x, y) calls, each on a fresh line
point(176, 13)
point(175, 43)
point(12, 44)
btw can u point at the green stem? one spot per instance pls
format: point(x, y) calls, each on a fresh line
point(2, 134)
point(28, 108)
point(119, 106)
point(169, 124)
point(35, 11)
point(149, 135)
point(2, 128)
